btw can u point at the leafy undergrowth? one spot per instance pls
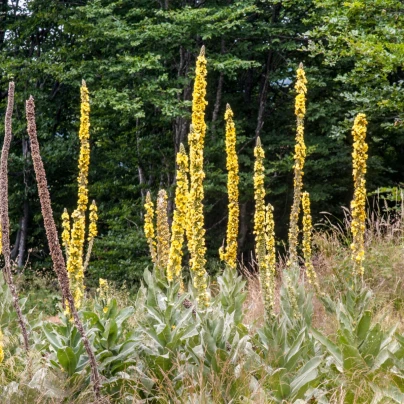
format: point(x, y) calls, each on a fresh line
point(345, 346)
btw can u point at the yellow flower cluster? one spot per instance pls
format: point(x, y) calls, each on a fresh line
point(84, 158)
point(230, 255)
point(66, 231)
point(307, 229)
point(75, 265)
point(299, 157)
point(149, 227)
point(163, 231)
point(103, 291)
point(196, 233)
point(179, 217)
point(358, 204)
point(260, 220)
point(75, 260)
point(270, 259)
point(92, 228)
point(1, 347)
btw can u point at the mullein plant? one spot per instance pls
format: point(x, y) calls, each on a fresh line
point(103, 293)
point(299, 158)
point(75, 266)
point(196, 242)
point(163, 231)
point(228, 254)
point(149, 230)
point(178, 227)
point(270, 260)
point(92, 232)
point(66, 232)
point(358, 204)
point(307, 254)
point(4, 220)
point(263, 238)
point(55, 249)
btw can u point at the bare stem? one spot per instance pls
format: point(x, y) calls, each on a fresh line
point(4, 214)
point(53, 240)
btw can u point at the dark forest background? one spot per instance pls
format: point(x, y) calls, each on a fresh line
point(138, 58)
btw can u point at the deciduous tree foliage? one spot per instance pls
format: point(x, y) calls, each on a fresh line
point(138, 60)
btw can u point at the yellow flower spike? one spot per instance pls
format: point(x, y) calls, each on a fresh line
point(307, 229)
point(1, 347)
point(230, 255)
point(299, 157)
point(196, 233)
point(149, 227)
point(259, 217)
point(103, 291)
point(92, 229)
point(66, 231)
point(75, 261)
point(179, 224)
point(75, 265)
point(163, 231)
point(270, 264)
point(358, 204)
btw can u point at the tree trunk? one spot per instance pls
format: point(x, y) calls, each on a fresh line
point(23, 235)
point(243, 231)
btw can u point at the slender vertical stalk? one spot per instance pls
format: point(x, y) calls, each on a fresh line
point(270, 259)
point(163, 231)
point(358, 204)
point(259, 219)
point(229, 255)
point(300, 156)
point(149, 227)
point(178, 226)
point(75, 266)
point(5, 225)
point(196, 242)
point(307, 229)
point(92, 233)
point(53, 240)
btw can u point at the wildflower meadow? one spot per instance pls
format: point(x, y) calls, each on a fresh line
point(311, 312)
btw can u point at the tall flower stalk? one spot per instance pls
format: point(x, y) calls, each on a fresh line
point(4, 220)
point(229, 254)
point(260, 222)
point(75, 266)
point(307, 230)
point(197, 245)
point(299, 157)
point(163, 231)
point(92, 232)
point(270, 259)
point(149, 227)
point(66, 231)
point(53, 241)
point(178, 226)
point(358, 204)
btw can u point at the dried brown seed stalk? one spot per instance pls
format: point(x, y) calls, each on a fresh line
point(53, 240)
point(4, 214)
